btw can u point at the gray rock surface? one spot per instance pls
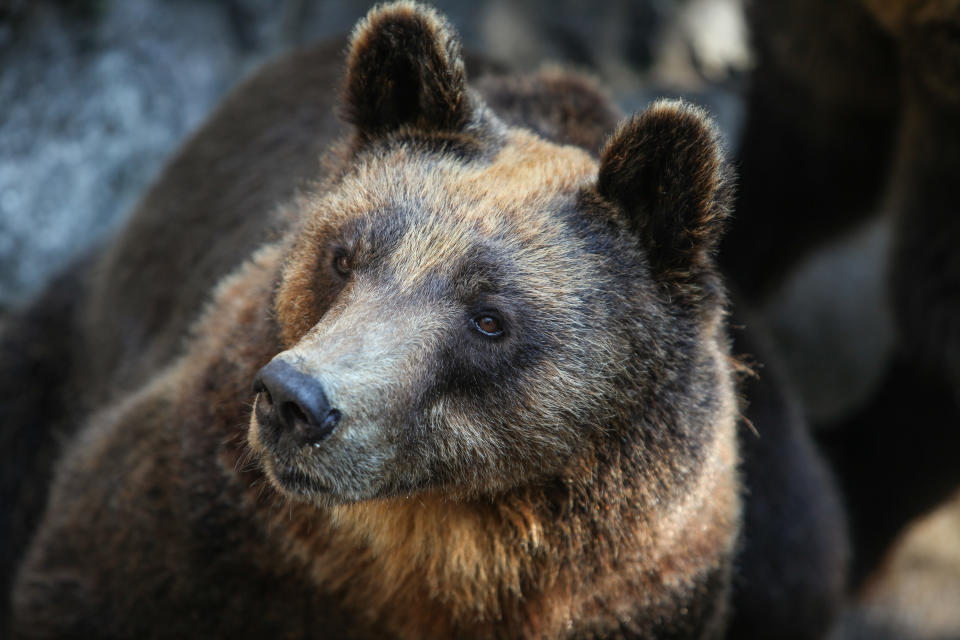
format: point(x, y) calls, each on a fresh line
point(91, 106)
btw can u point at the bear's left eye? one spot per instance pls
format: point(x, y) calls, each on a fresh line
point(488, 324)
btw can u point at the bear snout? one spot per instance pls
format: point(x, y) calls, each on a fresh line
point(292, 405)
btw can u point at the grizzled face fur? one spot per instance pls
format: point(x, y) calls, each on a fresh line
point(466, 306)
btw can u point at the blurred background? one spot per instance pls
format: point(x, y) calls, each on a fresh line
point(96, 94)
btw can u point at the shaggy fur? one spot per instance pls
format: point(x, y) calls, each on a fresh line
point(790, 578)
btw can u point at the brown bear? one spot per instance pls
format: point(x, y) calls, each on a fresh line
point(475, 382)
point(492, 396)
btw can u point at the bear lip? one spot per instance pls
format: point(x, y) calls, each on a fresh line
point(289, 479)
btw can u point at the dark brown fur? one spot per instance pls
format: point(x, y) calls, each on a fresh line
point(790, 579)
point(635, 165)
point(39, 356)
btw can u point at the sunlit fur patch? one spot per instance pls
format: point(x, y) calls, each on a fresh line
point(513, 199)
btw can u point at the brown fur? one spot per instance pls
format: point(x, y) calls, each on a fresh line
point(590, 492)
point(790, 578)
point(388, 558)
point(556, 104)
point(406, 46)
point(634, 167)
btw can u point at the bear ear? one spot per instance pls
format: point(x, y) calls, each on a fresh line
point(404, 68)
point(665, 168)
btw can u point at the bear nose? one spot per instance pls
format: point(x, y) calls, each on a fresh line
point(295, 404)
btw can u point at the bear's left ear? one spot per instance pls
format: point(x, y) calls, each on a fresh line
point(665, 168)
point(405, 69)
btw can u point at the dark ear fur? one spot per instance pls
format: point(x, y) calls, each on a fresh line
point(405, 69)
point(665, 168)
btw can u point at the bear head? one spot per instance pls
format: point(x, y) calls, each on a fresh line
point(466, 307)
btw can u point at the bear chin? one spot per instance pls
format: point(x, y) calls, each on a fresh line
point(291, 481)
point(285, 470)
point(324, 474)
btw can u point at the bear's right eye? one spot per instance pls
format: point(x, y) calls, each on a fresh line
point(341, 264)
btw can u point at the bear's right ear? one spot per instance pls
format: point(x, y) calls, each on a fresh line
point(405, 69)
point(666, 170)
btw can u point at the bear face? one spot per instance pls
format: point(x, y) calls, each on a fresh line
point(473, 304)
point(425, 302)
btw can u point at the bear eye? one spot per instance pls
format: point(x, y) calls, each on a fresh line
point(341, 264)
point(488, 324)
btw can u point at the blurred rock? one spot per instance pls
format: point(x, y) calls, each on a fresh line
point(92, 105)
point(833, 324)
point(916, 594)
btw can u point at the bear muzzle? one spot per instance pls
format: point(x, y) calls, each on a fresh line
point(292, 406)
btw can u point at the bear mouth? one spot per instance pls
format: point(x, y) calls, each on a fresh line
point(291, 480)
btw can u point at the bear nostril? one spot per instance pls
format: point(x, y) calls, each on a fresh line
point(307, 430)
point(331, 421)
point(266, 400)
point(292, 414)
point(294, 403)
